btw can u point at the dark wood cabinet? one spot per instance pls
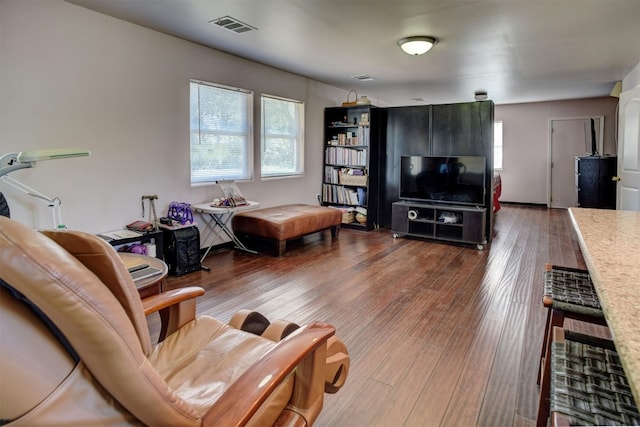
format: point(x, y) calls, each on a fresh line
point(463, 129)
point(407, 134)
point(353, 163)
point(595, 186)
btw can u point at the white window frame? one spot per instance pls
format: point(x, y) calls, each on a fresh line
point(296, 139)
point(198, 136)
point(498, 145)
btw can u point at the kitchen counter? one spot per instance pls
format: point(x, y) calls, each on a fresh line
point(610, 243)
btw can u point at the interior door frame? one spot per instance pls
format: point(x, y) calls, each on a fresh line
point(550, 145)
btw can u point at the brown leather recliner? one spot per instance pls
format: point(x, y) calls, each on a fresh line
point(75, 348)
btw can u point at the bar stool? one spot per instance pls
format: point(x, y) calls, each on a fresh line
point(568, 293)
point(588, 385)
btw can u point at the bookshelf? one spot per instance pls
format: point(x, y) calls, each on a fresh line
point(351, 164)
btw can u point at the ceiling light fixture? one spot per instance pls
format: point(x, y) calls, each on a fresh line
point(363, 77)
point(416, 45)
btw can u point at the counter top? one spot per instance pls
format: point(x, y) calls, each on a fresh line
point(610, 243)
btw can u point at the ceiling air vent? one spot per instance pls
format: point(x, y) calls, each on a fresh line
point(363, 77)
point(232, 24)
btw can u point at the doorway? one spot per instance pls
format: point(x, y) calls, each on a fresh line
point(569, 137)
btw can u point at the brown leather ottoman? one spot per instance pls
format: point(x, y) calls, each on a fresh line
point(282, 223)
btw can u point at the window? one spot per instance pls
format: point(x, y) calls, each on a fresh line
point(282, 148)
point(497, 145)
point(221, 133)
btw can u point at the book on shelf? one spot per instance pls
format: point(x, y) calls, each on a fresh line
point(360, 137)
point(344, 195)
point(345, 156)
point(361, 196)
point(331, 174)
point(345, 176)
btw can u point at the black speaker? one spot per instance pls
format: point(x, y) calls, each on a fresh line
point(182, 250)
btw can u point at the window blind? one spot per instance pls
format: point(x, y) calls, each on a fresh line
point(221, 123)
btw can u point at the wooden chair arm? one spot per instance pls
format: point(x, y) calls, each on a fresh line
point(168, 298)
point(304, 348)
point(176, 308)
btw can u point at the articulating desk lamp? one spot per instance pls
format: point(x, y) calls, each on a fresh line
point(27, 159)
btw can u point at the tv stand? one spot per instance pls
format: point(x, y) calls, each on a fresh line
point(453, 223)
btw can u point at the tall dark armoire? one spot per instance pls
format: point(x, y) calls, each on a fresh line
point(595, 183)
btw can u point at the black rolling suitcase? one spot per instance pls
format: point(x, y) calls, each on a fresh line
point(182, 250)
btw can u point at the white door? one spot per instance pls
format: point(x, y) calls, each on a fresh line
point(569, 137)
point(628, 188)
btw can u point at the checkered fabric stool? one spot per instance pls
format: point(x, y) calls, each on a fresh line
point(568, 293)
point(587, 383)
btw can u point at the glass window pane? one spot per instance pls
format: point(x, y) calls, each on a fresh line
point(220, 133)
point(282, 137)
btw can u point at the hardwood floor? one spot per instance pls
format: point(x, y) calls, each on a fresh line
point(439, 334)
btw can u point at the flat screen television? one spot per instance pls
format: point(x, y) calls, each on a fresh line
point(443, 179)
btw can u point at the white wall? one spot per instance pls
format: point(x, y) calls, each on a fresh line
point(70, 77)
point(526, 139)
point(632, 79)
point(526, 142)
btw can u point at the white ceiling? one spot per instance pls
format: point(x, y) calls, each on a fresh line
point(516, 50)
